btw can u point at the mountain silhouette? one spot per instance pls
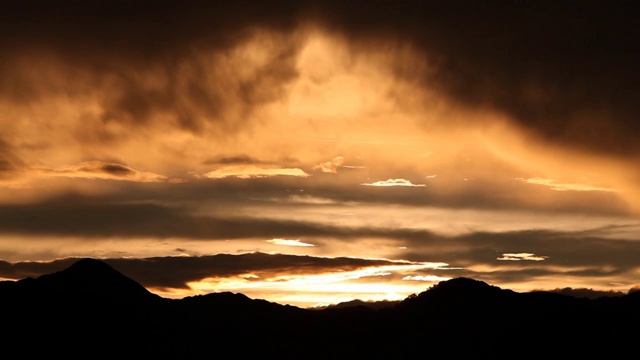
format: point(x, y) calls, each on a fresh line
point(90, 310)
point(91, 277)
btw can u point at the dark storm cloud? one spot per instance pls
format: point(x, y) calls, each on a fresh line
point(144, 59)
point(565, 70)
point(176, 272)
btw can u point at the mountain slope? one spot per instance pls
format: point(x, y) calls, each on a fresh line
point(90, 308)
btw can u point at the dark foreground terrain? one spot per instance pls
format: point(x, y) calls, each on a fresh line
point(90, 311)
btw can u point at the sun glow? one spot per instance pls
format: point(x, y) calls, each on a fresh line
point(302, 290)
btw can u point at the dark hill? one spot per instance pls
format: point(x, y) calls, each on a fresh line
point(90, 310)
point(91, 277)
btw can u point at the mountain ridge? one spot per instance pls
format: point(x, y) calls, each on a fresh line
point(74, 304)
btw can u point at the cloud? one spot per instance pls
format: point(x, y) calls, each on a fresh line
point(394, 182)
point(252, 171)
point(563, 71)
point(232, 160)
point(201, 72)
point(522, 256)
point(309, 199)
point(330, 166)
point(537, 63)
point(78, 216)
point(103, 170)
point(10, 163)
point(562, 186)
point(588, 255)
point(428, 278)
point(287, 242)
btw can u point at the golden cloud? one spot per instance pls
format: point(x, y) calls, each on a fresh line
point(394, 182)
point(252, 171)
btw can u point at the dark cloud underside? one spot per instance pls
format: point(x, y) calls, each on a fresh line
point(565, 70)
point(175, 272)
point(141, 220)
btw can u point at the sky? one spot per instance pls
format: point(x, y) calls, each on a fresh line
point(313, 152)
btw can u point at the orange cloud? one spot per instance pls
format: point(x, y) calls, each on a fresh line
point(103, 170)
point(252, 171)
point(522, 256)
point(563, 186)
point(428, 278)
point(288, 242)
point(330, 166)
point(394, 182)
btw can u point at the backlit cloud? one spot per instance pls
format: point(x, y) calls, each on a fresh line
point(394, 182)
point(330, 166)
point(522, 256)
point(252, 171)
point(427, 278)
point(563, 186)
point(288, 242)
point(309, 199)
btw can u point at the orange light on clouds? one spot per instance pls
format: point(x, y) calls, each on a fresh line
point(554, 184)
point(288, 242)
point(102, 170)
point(303, 289)
point(250, 171)
point(393, 182)
point(522, 256)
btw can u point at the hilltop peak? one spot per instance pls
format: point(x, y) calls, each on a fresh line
point(458, 291)
point(90, 266)
point(90, 275)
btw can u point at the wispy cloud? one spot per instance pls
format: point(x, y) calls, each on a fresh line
point(288, 242)
point(428, 278)
point(522, 256)
point(309, 199)
point(563, 186)
point(394, 182)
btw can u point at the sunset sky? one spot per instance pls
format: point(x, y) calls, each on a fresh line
point(312, 152)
